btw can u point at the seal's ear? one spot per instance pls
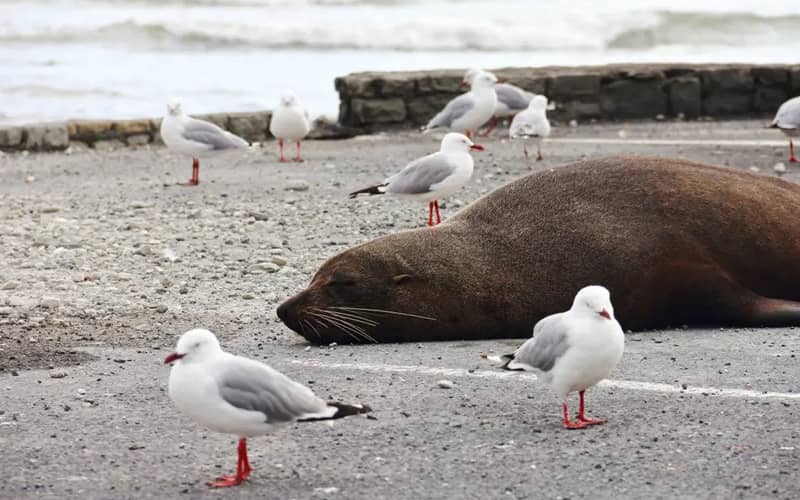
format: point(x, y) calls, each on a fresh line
point(401, 278)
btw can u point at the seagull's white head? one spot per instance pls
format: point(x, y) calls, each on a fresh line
point(288, 98)
point(594, 300)
point(458, 143)
point(483, 80)
point(469, 76)
point(539, 103)
point(195, 345)
point(174, 108)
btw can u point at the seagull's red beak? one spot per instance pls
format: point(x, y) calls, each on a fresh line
point(604, 313)
point(173, 357)
point(476, 147)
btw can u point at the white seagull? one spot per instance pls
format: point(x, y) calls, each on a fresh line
point(195, 138)
point(237, 395)
point(531, 123)
point(575, 349)
point(510, 99)
point(289, 122)
point(468, 111)
point(788, 120)
point(433, 176)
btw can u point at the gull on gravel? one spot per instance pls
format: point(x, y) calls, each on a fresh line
point(196, 138)
point(468, 111)
point(788, 120)
point(289, 122)
point(433, 176)
point(574, 350)
point(531, 124)
point(510, 99)
point(241, 396)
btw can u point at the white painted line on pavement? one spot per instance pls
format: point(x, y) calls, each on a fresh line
point(632, 385)
point(667, 142)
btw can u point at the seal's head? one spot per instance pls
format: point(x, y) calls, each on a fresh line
point(174, 108)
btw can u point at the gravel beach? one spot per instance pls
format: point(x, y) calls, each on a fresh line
point(104, 261)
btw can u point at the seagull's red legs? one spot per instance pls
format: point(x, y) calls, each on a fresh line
point(298, 157)
point(436, 207)
point(195, 180)
point(539, 152)
point(282, 159)
point(491, 127)
point(792, 158)
point(577, 424)
point(242, 469)
point(582, 416)
point(430, 213)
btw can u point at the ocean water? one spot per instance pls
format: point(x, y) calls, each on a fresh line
point(64, 59)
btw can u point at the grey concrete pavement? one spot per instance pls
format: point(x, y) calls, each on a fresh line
point(88, 294)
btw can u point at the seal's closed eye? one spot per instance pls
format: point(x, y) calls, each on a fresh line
point(401, 278)
point(338, 279)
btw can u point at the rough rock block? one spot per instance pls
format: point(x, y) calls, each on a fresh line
point(46, 137)
point(634, 98)
point(449, 82)
point(771, 76)
point(422, 109)
point(252, 127)
point(769, 99)
point(727, 80)
point(369, 111)
point(577, 109)
point(395, 86)
point(11, 138)
point(685, 96)
point(133, 127)
point(727, 103)
point(565, 87)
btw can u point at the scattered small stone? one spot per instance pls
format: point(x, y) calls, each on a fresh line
point(49, 210)
point(308, 348)
point(29, 179)
point(297, 185)
point(248, 296)
point(162, 309)
point(280, 261)
point(10, 285)
point(445, 384)
point(141, 204)
point(135, 447)
point(49, 302)
point(261, 267)
point(58, 374)
point(573, 123)
point(755, 169)
point(14, 373)
point(779, 168)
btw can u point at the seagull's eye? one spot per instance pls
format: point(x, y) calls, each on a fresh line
point(197, 344)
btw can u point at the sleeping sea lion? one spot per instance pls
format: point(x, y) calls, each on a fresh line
point(675, 242)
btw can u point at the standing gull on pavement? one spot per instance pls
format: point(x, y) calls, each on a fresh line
point(468, 111)
point(289, 122)
point(433, 176)
point(575, 349)
point(510, 99)
point(195, 138)
point(532, 123)
point(788, 120)
point(237, 395)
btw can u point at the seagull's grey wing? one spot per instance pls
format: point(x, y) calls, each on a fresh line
point(788, 115)
point(211, 135)
point(418, 176)
point(454, 110)
point(549, 343)
point(249, 385)
point(512, 96)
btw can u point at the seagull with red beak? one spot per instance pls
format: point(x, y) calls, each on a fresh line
point(433, 176)
point(510, 99)
point(469, 111)
point(787, 119)
point(240, 396)
point(574, 350)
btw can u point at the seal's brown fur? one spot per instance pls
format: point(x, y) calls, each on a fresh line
point(676, 242)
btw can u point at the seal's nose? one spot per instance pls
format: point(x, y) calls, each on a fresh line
point(283, 311)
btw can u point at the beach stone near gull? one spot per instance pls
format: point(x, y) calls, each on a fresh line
point(634, 98)
point(46, 137)
point(297, 185)
point(262, 267)
point(280, 261)
point(49, 302)
point(252, 127)
point(108, 145)
point(11, 137)
point(58, 374)
point(444, 384)
point(10, 285)
point(391, 110)
point(685, 96)
point(137, 140)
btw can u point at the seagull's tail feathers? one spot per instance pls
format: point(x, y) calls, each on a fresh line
point(335, 411)
point(377, 189)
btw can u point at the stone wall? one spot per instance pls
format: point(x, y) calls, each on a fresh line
point(374, 101)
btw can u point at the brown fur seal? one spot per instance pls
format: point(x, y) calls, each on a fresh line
point(675, 242)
